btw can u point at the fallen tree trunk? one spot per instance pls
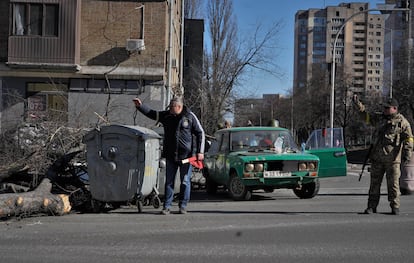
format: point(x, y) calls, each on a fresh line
point(40, 200)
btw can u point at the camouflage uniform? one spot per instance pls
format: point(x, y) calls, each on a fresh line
point(393, 144)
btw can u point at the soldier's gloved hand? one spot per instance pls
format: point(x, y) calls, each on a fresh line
point(355, 98)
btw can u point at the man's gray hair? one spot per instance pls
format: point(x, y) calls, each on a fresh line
point(176, 100)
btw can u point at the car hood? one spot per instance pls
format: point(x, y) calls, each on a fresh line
point(272, 156)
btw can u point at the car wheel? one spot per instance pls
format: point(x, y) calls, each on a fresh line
point(308, 190)
point(211, 186)
point(237, 189)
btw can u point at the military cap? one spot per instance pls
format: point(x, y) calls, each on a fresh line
point(391, 103)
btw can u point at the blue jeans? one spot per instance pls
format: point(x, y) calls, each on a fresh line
point(185, 186)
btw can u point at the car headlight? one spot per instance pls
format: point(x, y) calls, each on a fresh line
point(249, 167)
point(312, 166)
point(258, 167)
point(302, 167)
point(307, 166)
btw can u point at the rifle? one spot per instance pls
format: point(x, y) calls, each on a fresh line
point(365, 161)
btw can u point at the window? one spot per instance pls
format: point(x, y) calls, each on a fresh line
point(224, 144)
point(47, 101)
point(31, 19)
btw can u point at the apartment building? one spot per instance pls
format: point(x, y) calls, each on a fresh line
point(359, 52)
point(82, 61)
point(193, 63)
point(398, 45)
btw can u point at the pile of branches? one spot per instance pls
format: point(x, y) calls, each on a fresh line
point(42, 170)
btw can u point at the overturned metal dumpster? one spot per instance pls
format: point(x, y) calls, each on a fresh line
point(123, 164)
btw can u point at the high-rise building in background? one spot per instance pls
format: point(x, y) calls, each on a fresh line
point(372, 49)
point(359, 52)
point(398, 46)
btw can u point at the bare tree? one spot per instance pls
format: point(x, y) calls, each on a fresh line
point(192, 8)
point(226, 59)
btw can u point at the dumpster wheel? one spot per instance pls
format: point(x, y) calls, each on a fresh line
point(139, 205)
point(156, 201)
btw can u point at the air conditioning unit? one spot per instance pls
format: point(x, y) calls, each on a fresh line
point(135, 45)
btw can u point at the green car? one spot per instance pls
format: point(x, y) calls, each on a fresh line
point(245, 159)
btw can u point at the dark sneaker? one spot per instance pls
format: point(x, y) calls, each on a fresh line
point(370, 210)
point(165, 211)
point(182, 211)
point(395, 211)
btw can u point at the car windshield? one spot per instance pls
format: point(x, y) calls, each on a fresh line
point(280, 141)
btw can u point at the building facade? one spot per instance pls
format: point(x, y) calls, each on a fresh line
point(193, 64)
point(359, 53)
point(399, 44)
point(82, 61)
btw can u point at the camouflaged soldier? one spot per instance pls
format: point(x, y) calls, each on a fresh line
point(392, 144)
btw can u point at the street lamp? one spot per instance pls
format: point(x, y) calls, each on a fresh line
point(391, 58)
point(260, 113)
point(334, 57)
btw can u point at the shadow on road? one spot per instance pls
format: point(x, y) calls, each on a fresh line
point(267, 212)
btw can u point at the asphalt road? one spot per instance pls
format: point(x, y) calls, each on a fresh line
point(273, 227)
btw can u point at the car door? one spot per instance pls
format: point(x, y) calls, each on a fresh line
point(328, 145)
point(220, 167)
point(216, 158)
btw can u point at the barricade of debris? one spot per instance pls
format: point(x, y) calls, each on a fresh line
point(32, 153)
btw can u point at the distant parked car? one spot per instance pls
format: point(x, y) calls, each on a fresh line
point(245, 159)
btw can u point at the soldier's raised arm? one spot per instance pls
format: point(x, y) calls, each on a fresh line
point(358, 104)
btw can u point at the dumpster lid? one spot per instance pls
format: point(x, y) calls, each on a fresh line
point(129, 130)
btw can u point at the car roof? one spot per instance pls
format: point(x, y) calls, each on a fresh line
point(253, 128)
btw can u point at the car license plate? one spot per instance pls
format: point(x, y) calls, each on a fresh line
point(272, 174)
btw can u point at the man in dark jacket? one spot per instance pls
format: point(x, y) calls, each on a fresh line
point(183, 137)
